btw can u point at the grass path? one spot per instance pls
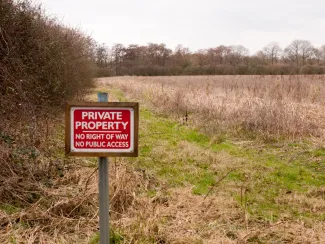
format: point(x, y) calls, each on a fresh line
point(258, 184)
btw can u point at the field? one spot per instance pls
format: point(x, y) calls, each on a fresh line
point(236, 158)
point(269, 106)
point(223, 159)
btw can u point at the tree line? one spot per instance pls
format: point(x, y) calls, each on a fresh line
point(300, 57)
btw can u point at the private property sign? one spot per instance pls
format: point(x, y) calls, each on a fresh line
point(102, 129)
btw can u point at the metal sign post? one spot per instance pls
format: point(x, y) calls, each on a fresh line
point(103, 190)
point(102, 129)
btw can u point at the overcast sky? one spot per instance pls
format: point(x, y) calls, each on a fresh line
point(196, 24)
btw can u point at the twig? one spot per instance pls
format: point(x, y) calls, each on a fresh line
point(88, 179)
point(12, 172)
point(81, 202)
point(222, 178)
point(259, 231)
point(3, 38)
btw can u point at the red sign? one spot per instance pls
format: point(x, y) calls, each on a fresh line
point(102, 129)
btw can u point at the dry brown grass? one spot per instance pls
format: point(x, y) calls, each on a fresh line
point(65, 210)
point(47, 198)
point(289, 107)
point(66, 207)
point(191, 219)
point(270, 106)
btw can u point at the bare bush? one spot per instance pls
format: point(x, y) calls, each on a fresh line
point(42, 65)
point(61, 205)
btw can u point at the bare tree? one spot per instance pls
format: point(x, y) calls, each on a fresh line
point(261, 57)
point(118, 52)
point(131, 52)
point(317, 55)
point(298, 50)
point(238, 54)
point(306, 50)
point(272, 51)
point(200, 57)
point(102, 56)
point(164, 53)
point(223, 53)
point(322, 53)
point(180, 50)
point(158, 53)
point(181, 55)
point(212, 54)
point(292, 52)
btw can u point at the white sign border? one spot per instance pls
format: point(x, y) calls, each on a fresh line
point(94, 150)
